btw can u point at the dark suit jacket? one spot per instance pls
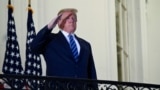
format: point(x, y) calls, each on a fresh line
point(58, 55)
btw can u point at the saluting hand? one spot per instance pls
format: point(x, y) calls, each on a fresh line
point(53, 22)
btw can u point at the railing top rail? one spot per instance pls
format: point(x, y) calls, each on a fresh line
point(137, 84)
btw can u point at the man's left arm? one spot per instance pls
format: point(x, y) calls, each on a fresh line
point(92, 69)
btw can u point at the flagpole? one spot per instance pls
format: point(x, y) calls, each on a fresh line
point(9, 2)
point(29, 6)
point(29, 3)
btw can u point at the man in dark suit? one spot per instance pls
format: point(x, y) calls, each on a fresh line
point(56, 48)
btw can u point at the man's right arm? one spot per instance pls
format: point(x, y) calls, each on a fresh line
point(39, 42)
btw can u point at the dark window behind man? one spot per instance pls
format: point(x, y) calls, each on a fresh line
point(66, 54)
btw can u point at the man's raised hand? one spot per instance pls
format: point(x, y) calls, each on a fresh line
point(53, 22)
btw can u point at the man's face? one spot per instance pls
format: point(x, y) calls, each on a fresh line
point(68, 22)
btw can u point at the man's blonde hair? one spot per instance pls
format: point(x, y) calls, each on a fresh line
point(73, 10)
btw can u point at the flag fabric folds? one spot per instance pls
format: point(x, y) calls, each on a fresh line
point(12, 59)
point(33, 60)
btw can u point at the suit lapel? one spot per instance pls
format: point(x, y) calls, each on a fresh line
point(65, 48)
point(64, 45)
point(82, 48)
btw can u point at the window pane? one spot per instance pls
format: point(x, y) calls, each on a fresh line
point(117, 22)
point(122, 39)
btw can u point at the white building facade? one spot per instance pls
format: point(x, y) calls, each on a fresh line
point(123, 33)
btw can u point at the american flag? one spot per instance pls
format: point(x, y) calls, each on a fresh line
point(12, 59)
point(33, 60)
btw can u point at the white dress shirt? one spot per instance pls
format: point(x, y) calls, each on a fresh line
point(67, 38)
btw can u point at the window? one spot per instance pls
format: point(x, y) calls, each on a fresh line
point(122, 40)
